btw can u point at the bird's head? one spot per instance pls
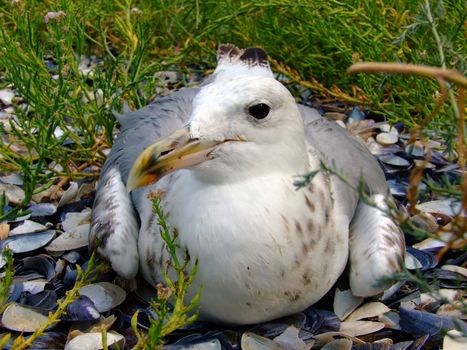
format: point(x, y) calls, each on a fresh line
point(242, 125)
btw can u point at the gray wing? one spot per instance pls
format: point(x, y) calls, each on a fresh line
point(376, 242)
point(143, 127)
point(344, 152)
point(115, 223)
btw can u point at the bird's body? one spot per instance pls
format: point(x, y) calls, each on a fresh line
point(264, 248)
point(270, 266)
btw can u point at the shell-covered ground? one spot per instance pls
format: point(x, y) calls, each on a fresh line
point(425, 307)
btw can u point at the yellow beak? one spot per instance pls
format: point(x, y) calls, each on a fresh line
point(177, 151)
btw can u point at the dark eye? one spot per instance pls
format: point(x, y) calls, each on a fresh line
point(259, 111)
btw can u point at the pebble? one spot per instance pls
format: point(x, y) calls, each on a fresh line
point(387, 138)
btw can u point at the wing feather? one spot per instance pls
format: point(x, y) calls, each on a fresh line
point(115, 222)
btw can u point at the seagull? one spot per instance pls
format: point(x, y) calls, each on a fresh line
point(225, 156)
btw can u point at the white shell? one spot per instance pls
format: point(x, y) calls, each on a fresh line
point(328, 337)
point(437, 241)
point(73, 220)
point(388, 128)
point(104, 295)
point(450, 295)
point(27, 226)
point(373, 146)
point(58, 132)
point(93, 341)
point(357, 328)
point(251, 341)
point(78, 238)
point(34, 287)
point(22, 319)
point(449, 207)
point(368, 310)
point(387, 138)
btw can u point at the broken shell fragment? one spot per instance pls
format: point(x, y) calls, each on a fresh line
point(93, 341)
point(345, 303)
point(14, 193)
point(75, 219)
point(251, 341)
point(69, 195)
point(449, 207)
point(290, 339)
point(357, 328)
point(27, 226)
point(338, 344)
